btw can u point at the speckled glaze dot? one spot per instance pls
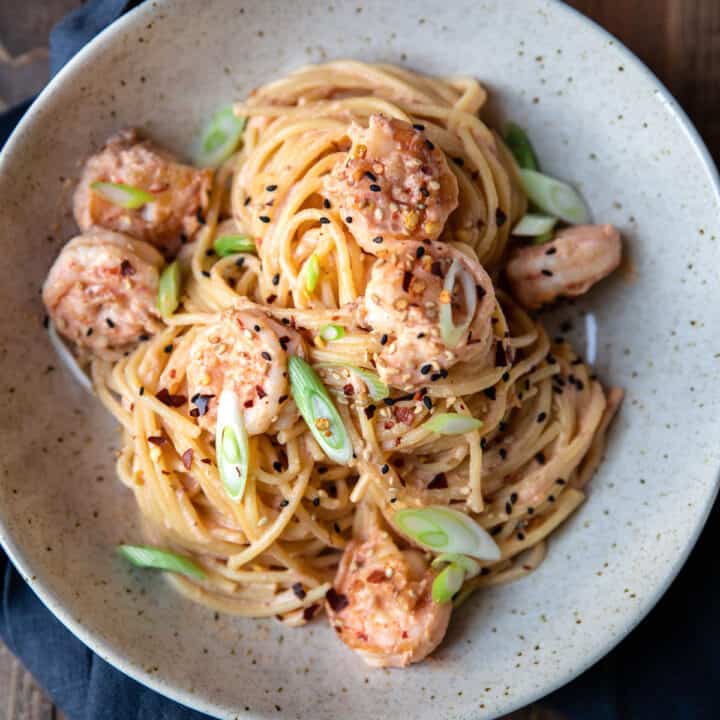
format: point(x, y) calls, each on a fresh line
point(598, 119)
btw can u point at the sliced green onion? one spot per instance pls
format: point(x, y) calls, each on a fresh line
point(520, 146)
point(452, 424)
point(151, 557)
point(444, 530)
point(312, 273)
point(447, 583)
point(123, 195)
point(220, 138)
point(470, 566)
point(318, 411)
point(332, 332)
point(232, 244)
point(452, 334)
point(168, 297)
point(544, 238)
point(534, 225)
point(377, 389)
point(554, 197)
point(231, 444)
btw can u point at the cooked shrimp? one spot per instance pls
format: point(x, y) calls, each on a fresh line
point(180, 191)
point(381, 604)
point(402, 300)
point(394, 185)
point(246, 352)
point(101, 291)
point(568, 266)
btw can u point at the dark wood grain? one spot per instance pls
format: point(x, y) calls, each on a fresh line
point(678, 39)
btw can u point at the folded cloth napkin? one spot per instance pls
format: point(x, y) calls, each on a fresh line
point(667, 669)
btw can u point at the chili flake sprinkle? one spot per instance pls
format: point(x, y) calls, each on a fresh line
point(187, 458)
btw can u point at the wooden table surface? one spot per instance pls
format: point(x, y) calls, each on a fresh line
point(678, 39)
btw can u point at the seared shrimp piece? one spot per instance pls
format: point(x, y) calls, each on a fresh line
point(247, 352)
point(101, 292)
point(180, 192)
point(402, 300)
point(381, 603)
point(568, 266)
point(394, 184)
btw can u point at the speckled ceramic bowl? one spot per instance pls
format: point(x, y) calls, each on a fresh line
point(600, 119)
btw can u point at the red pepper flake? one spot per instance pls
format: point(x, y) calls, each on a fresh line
point(389, 424)
point(207, 461)
point(407, 279)
point(404, 414)
point(404, 635)
point(439, 482)
point(248, 403)
point(309, 611)
point(362, 636)
point(260, 392)
point(126, 268)
point(337, 601)
point(348, 389)
point(187, 458)
point(377, 576)
point(166, 398)
point(157, 440)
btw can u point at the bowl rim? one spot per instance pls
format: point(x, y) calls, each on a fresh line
point(115, 657)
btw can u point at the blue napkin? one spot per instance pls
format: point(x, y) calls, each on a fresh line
point(667, 669)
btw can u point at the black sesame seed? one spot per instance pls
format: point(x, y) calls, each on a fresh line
point(270, 299)
point(377, 240)
point(429, 145)
point(375, 187)
point(266, 355)
point(200, 217)
point(418, 127)
point(326, 204)
point(530, 510)
point(143, 337)
point(88, 332)
point(110, 323)
point(284, 503)
point(277, 466)
point(205, 273)
point(560, 481)
point(546, 272)
point(551, 251)
point(316, 501)
point(424, 191)
point(503, 453)
point(425, 369)
point(443, 373)
point(383, 339)
point(322, 470)
point(240, 262)
point(370, 176)
point(168, 349)
point(299, 591)
point(577, 361)
point(439, 482)
point(142, 391)
point(520, 536)
point(419, 252)
point(490, 393)
point(505, 376)
point(551, 498)
point(458, 161)
point(247, 201)
point(370, 411)
point(436, 269)
point(542, 417)
point(435, 377)
point(407, 279)
point(385, 469)
point(551, 359)
point(348, 220)
point(324, 221)
point(209, 252)
point(502, 426)
point(508, 508)
point(500, 217)
point(336, 528)
point(540, 458)
point(513, 498)
point(483, 443)
point(427, 402)
point(264, 218)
